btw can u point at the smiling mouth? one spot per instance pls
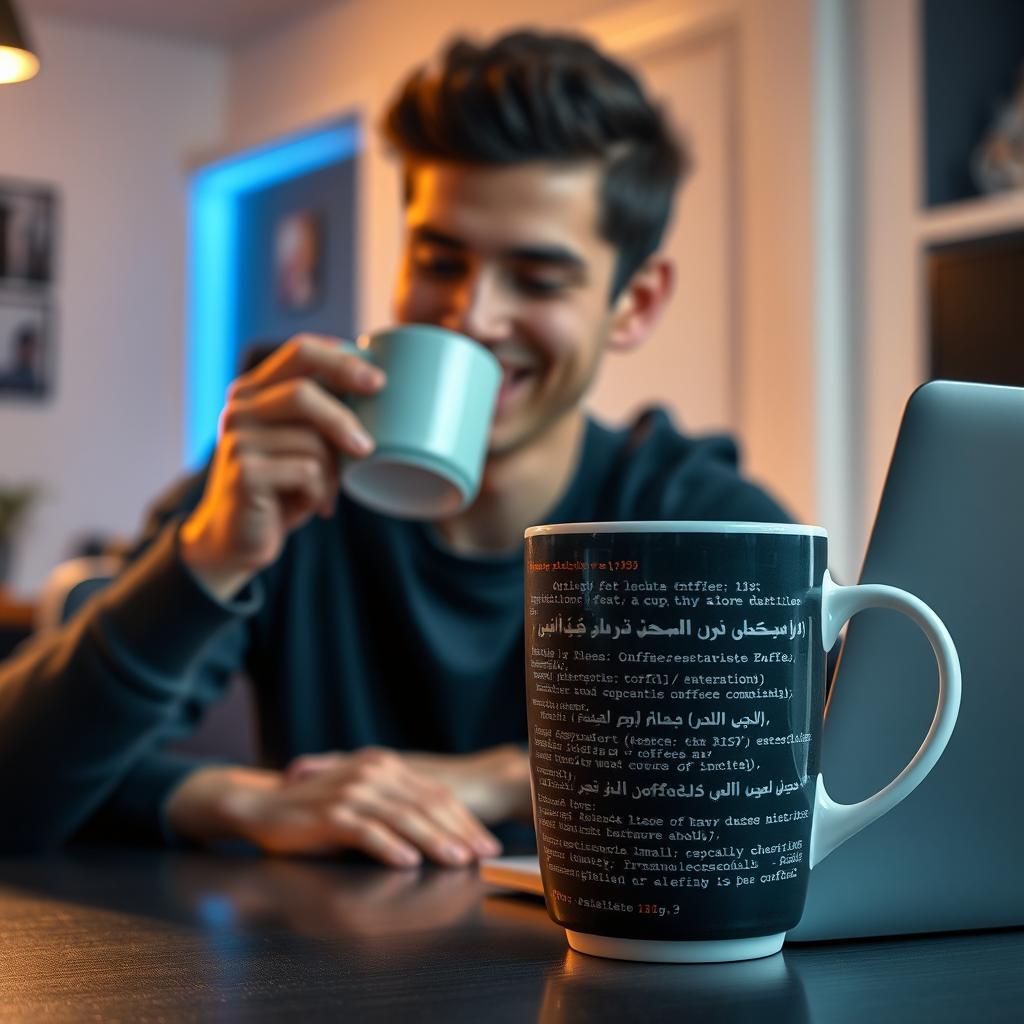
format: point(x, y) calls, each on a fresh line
point(514, 380)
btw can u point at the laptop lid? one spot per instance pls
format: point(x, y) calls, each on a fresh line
point(950, 528)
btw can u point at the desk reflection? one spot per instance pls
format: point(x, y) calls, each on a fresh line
point(322, 900)
point(583, 988)
point(754, 991)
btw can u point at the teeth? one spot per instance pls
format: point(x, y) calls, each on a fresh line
point(512, 378)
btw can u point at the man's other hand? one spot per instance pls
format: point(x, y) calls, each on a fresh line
point(371, 801)
point(494, 784)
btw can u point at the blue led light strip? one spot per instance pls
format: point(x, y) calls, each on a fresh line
point(213, 265)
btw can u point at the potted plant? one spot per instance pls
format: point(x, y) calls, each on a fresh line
point(15, 502)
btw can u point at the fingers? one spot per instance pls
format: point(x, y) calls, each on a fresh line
point(403, 819)
point(374, 838)
point(319, 357)
point(280, 440)
point(299, 480)
point(379, 786)
point(265, 446)
point(444, 809)
point(457, 819)
point(373, 802)
point(299, 401)
point(429, 808)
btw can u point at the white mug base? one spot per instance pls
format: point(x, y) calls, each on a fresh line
point(409, 486)
point(713, 951)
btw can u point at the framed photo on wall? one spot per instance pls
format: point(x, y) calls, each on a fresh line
point(27, 235)
point(26, 348)
point(28, 272)
point(298, 259)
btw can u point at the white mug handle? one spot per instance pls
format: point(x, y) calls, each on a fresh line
point(834, 823)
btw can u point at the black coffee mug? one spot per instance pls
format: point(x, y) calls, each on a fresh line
point(675, 691)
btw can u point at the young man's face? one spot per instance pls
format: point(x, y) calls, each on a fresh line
point(512, 257)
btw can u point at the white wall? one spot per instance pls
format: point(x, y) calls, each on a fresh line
point(111, 122)
point(349, 57)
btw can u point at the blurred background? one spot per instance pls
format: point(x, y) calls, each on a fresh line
point(185, 184)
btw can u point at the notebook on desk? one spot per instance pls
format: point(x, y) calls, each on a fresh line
point(950, 528)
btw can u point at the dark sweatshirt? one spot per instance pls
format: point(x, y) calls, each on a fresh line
point(367, 630)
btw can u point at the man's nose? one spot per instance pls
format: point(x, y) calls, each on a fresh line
point(480, 308)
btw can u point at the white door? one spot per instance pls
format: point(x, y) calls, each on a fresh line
point(689, 364)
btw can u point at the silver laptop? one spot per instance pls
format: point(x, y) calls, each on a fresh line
point(950, 528)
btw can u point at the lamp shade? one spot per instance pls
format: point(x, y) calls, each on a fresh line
point(17, 60)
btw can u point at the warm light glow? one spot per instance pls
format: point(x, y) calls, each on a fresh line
point(17, 65)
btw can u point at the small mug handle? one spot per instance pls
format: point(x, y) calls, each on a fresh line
point(834, 823)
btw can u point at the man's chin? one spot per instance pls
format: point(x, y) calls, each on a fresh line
point(507, 436)
point(517, 433)
point(498, 447)
point(528, 428)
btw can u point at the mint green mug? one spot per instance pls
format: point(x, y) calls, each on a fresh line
point(430, 422)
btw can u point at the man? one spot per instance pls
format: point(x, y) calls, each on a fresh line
point(538, 183)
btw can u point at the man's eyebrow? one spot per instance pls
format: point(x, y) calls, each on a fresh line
point(552, 254)
point(422, 233)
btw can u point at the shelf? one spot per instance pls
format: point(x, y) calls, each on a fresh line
point(15, 614)
point(972, 218)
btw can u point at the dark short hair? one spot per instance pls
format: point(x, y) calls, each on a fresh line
point(529, 96)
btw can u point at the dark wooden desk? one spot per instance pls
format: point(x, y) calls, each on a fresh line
point(104, 935)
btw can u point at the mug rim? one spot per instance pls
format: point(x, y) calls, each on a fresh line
point(366, 338)
point(677, 526)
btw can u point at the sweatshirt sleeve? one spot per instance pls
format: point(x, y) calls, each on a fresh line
point(82, 708)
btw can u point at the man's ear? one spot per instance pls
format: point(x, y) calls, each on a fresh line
point(641, 303)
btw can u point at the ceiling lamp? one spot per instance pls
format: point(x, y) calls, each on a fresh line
point(17, 61)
